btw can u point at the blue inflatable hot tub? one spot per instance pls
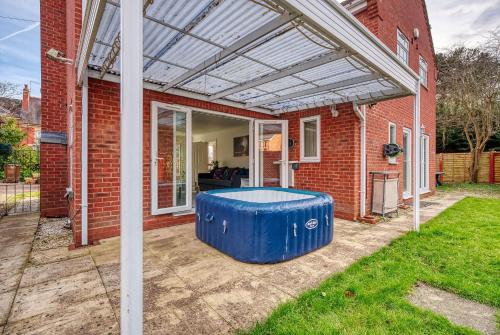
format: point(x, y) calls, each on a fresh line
point(264, 225)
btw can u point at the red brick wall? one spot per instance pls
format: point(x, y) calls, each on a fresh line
point(53, 157)
point(384, 18)
point(338, 171)
point(104, 158)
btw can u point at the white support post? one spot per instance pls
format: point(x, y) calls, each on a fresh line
point(362, 184)
point(416, 160)
point(131, 150)
point(84, 151)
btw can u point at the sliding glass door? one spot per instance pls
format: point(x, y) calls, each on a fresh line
point(171, 147)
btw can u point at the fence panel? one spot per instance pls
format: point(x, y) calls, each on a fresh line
point(456, 167)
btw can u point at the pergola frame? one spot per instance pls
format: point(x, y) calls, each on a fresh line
point(327, 17)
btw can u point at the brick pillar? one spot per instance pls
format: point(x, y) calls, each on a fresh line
point(53, 151)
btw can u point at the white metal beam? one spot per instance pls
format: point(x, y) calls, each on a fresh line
point(293, 69)
point(324, 88)
point(336, 23)
point(233, 48)
point(92, 18)
point(416, 160)
point(131, 174)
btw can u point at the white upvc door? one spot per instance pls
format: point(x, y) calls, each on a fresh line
point(171, 155)
point(424, 164)
point(407, 140)
point(271, 153)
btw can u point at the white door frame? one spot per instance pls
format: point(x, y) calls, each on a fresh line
point(424, 163)
point(408, 157)
point(284, 152)
point(155, 105)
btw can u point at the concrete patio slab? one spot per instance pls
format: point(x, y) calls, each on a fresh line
point(34, 275)
point(189, 287)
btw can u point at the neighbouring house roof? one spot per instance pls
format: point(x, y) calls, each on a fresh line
point(33, 116)
point(276, 56)
point(13, 108)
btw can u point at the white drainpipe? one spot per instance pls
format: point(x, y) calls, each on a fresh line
point(85, 111)
point(361, 114)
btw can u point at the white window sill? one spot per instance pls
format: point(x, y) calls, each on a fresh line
point(310, 160)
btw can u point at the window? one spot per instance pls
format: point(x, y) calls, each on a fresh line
point(403, 48)
point(423, 71)
point(406, 163)
point(392, 140)
point(310, 135)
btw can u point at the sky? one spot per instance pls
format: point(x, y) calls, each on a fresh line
point(452, 21)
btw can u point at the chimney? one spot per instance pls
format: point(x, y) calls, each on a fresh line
point(26, 98)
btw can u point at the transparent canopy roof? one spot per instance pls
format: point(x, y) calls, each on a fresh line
point(258, 53)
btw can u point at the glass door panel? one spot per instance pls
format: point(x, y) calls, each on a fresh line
point(406, 163)
point(171, 155)
point(271, 153)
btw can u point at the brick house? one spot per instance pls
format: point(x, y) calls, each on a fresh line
point(27, 113)
point(300, 111)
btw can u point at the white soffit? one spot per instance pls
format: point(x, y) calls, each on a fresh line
point(280, 55)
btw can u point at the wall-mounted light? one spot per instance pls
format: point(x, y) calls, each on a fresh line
point(416, 33)
point(58, 56)
point(334, 111)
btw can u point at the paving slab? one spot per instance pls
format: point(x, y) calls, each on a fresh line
point(91, 316)
point(10, 272)
point(50, 297)
point(34, 275)
point(245, 301)
point(38, 257)
point(6, 300)
point(458, 310)
point(15, 250)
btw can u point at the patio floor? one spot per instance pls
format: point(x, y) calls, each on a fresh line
point(189, 287)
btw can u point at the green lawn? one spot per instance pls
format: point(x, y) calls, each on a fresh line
point(458, 251)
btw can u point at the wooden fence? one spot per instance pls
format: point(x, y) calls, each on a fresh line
point(456, 167)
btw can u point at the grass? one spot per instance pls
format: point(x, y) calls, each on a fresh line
point(457, 251)
point(483, 190)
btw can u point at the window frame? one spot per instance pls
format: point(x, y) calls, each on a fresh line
point(312, 159)
point(421, 60)
point(392, 160)
point(400, 46)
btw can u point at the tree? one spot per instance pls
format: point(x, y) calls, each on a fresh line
point(8, 93)
point(10, 133)
point(469, 96)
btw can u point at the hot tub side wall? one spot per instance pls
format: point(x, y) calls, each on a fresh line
point(264, 234)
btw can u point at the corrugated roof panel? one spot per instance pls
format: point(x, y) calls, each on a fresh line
point(110, 24)
point(232, 20)
point(280, 84)
point(177, 13)
point(162, 72)
point(293, 89)
point(241, 70)
point(249, 95)
point(286, 49)
point(207, 85)
point(189, 52)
